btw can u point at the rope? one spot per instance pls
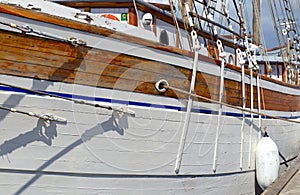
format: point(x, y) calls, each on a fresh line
point(263, 102)
point(27, 29)
point(280, 39)
point(136, 11)
point(225, 104)
point(46, 117)
point(72, 100)
point(184, 16)
point(246, 15)
point(176, 23)
point(262, 38)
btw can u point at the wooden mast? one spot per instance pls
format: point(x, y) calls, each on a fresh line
point(256, 21)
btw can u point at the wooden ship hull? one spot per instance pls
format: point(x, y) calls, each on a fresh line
point(115, 133)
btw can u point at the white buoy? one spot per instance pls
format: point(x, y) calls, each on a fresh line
point(267, 162)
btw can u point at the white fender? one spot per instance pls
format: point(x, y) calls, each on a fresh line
point(267, 162)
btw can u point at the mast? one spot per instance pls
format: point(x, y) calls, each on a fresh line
point(256, 21)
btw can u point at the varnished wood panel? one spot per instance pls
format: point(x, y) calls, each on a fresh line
point(40, 58)
point(106, 32)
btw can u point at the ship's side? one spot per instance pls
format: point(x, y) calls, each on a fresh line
point(115, 133)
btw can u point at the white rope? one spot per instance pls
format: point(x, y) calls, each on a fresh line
point(136, 11)
point(241, 61)
point(190, 102)
point(258, 104)
point(46, 117)
point(221, 90)
point(251, 118)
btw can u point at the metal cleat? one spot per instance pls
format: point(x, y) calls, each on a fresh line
point(222, 54)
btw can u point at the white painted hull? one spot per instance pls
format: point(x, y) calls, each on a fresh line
point(99, 151)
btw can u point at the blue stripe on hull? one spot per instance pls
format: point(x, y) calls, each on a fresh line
point(135, 103)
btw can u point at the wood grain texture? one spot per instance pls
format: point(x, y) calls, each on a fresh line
point(38, 16)
point(34, 57)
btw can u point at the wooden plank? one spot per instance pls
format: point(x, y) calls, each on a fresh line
point(106, 4)
point(99, 72)
point(282, 181)
point(107, 69)
point(33, 43)
point(106, 32)
point(293, 187)
point(39, 16)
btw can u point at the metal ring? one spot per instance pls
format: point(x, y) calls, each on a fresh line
point(160, 85)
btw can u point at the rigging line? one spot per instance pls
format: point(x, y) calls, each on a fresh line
point(269, 68)
point(243, 24)
point(184, 16)
point(206, 12)
point(200, 26)
point(219, 12)
point(237, 11)
point(273, 9)
point(287, 22)
point(246, 14)
point(122, 110)
point(166, 86)
point(210, 24)
point(259, 133)
point(291, 16)
point(136, 11)
point(282, 27)
point(196, 23)
point(213, 23)
point(45, 117)
point(224, 7)
point(298, 3)
point(293, 38)
point(171, 2)
point(211, 12)
point(262, 38)
point(221, 15)
point(263, 101)
point(207, 17)
point(27, 29)
point(281, 8)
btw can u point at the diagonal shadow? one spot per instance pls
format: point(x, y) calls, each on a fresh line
point(248, 123)
point(60, 74)
point(43, 132)
point(114, 123)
